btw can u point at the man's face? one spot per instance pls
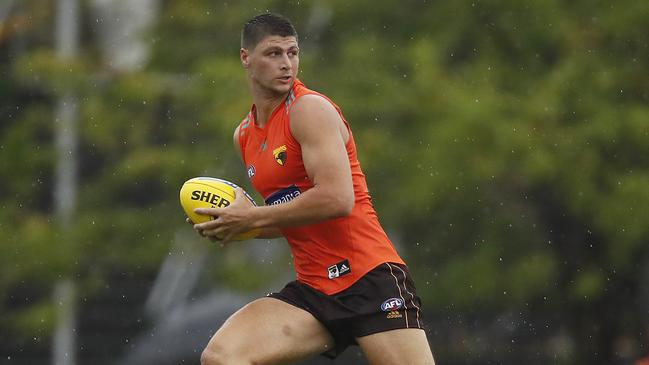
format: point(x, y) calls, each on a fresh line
point(273, 64)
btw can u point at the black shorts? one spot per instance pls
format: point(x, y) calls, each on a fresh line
point(383, 299)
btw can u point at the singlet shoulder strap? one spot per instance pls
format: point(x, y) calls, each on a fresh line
point(290, 99)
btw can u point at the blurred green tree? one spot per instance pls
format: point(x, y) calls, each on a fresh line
point(505, 145)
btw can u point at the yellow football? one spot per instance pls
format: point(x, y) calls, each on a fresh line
point(209, 192)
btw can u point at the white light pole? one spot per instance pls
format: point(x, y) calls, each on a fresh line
point(65, 185)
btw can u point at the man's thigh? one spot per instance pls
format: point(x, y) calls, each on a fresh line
point(407, 346)
point(270, 331)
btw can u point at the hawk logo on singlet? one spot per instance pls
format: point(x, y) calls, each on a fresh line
point(339, 269)
point(280, 154)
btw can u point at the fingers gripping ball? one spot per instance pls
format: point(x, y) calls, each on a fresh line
point(209, 192)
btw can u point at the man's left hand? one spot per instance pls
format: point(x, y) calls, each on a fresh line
point(228, 221)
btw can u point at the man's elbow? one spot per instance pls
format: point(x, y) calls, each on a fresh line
point(343, 206)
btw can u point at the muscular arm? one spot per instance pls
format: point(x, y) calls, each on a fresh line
point(317, 126)
point(319, 129)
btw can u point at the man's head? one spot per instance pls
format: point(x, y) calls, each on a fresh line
point(264, 25)
point(269, 52)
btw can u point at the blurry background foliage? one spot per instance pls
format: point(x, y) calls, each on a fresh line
point(506, 146)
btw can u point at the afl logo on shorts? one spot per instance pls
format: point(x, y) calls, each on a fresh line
point(251, 171)
point(280, 154)
point(392, 304)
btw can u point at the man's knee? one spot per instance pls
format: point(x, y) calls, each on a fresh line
point(218, 355)
point(209, 357)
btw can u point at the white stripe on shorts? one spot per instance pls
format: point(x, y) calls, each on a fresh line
point(396, 281)
point(412, 296)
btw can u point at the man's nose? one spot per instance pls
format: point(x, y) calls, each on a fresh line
point(286, 62)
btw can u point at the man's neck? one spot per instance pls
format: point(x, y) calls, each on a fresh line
point(265, 105)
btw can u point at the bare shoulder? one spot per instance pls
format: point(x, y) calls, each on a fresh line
point(313, 113)
point(312, 101)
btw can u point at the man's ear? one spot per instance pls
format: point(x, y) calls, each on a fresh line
point(244, 56)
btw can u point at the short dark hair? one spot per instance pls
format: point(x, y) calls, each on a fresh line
point(264, 25)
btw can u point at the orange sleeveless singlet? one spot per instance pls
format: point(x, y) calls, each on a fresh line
point(331, 255)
